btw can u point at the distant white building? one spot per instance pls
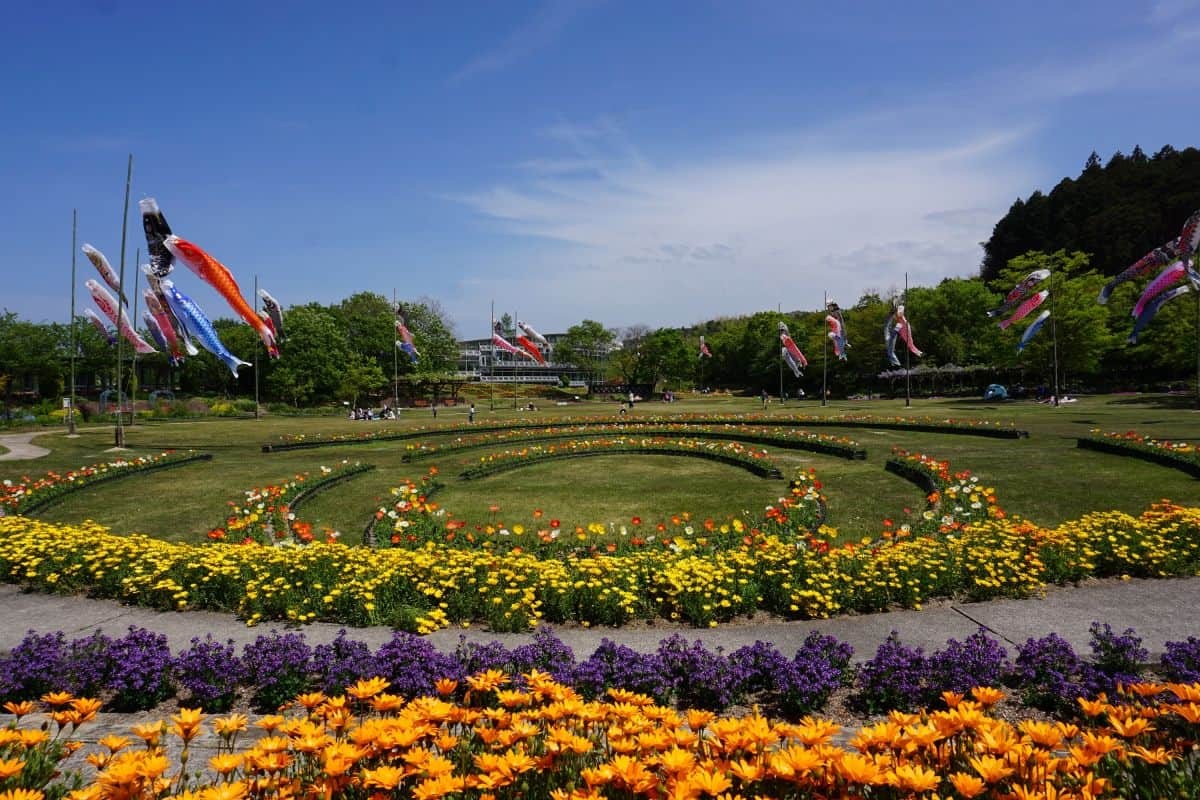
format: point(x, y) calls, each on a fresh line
point(481, 360)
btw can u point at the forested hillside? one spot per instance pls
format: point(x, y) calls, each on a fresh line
point(1115, 212)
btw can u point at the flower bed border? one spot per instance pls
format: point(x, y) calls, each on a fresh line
point(848, 452)
point(1134, 450)
point(317, 487)
point(927, 426)
point(166, 462)
point(761, 470)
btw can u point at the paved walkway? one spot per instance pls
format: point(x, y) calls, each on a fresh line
point(1159, 610)
point(20, 448)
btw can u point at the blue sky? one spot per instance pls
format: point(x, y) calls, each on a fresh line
point(658, 163)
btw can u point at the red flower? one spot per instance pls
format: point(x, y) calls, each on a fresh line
point(636, 520)
point(555, 524)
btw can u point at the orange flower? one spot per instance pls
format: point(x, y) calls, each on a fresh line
point(991, 769)
point(859, 769)
point(914, 778)
point(967, 785)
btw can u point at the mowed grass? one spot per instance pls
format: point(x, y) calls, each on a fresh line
point(1045, 478)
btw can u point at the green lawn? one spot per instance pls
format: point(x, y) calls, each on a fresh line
point(1044, 477)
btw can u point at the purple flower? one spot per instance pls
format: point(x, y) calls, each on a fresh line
point(341, 663)
point(210, 672)
point(978, 661)
point(614, 665)
point(34, 666)
point(413, 665)
point(1181, 661)
point(896, 678)
point(278, 666)
point(141, 667)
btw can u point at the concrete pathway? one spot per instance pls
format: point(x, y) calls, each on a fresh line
point(1158, 610)
point(20, 447)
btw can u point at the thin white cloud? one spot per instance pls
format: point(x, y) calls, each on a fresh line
point(626, 241)
point(536, 33)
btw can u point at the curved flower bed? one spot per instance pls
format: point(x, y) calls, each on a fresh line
point(417, 523)
point(30, 495)
point(1180, 455)
point(789, 438)
point(970, 427)
point(953, 500)
point(432, 586)
point(267, 515)
point(539, 740)
point(732, 453)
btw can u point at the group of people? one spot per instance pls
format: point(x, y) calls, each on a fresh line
point(372, 414)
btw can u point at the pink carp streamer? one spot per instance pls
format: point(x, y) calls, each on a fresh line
point(904, 328)
point(1026, 308)
point(105, 269)
point(704, 351)
point(790, 347)
point(504, 344)
point(1171, 275)
point(837, 330)
point(94, 318)
point(105, 302)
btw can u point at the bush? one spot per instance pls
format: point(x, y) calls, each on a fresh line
point(210, 672)
point(1046, 672)
point(978, 661)
point(896, 678)
point(1181, 661)
point(1115, 659)
point(34, 667)
point(279, 666)
point(141, 667)
point(615, 665)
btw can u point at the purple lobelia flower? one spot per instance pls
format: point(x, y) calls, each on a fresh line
point(1115, 659)
point(1046, 673)
point(614, 665)
point(413, 665)
point(977, 661)
point(88, 666)
point(547, 653)
point(34, 667)
point(701, 678)
point(341, 663)
point(820, 667)
point(141, 670)
point(896, 678)
point(210, 673)
point(1181, 661)
point(279, 667)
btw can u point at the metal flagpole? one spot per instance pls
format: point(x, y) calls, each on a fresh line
point(825, 357)
point(779, 311)
point(395, 358)
point(907, 355)
point(514, 386)
point(133, 374)
point(256, 344)
point(1054, 338)
point(492, 361)
point(120, 434)
point(74, 344)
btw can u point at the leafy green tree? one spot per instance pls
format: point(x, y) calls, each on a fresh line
point(953, 323)
point(585, 345)
point(1079, 323)
point(433, 332)
point(361, 376)
point(369, 323)
point(310, 368)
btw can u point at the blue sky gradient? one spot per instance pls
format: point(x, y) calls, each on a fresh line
point(657, 163)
